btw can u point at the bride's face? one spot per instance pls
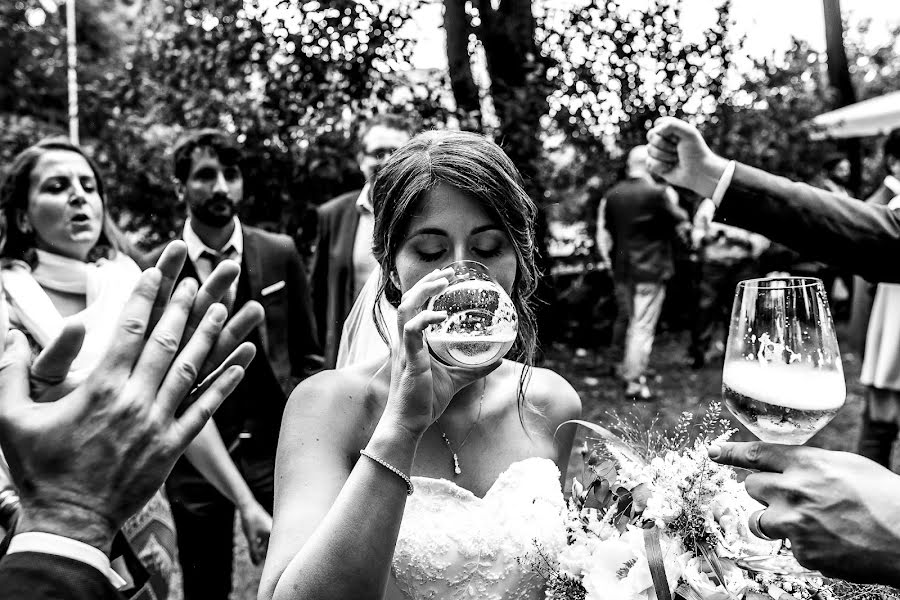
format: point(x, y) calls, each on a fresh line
point(448, 226)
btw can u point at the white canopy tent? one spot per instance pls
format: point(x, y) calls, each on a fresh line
point(875, 116)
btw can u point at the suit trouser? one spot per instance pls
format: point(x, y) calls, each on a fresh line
point(204, 522)
point(643, 304)
point(715, 296)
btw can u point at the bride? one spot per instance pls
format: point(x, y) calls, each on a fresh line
point(344, 524)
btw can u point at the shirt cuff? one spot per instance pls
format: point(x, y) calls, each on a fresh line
point(724, 183)
point(48, 543)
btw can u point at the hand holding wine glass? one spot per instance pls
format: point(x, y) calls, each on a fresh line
point(421, 386)
point(782, 376)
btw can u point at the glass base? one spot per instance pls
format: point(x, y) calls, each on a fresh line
point(782, 563)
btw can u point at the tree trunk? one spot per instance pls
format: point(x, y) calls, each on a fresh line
point(840, 81)
point(518, 87)
point(465, 91)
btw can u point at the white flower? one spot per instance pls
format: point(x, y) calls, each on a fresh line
point(620, 571)
point(695, 576)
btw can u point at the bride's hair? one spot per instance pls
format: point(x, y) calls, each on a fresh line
point(479, 168)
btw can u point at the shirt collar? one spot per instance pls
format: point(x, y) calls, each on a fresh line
point(893, 184)
point(196, 247)
point(364, 202)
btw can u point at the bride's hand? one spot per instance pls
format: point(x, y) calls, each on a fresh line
point(421, 387)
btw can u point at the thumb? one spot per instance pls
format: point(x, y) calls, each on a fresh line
point(53, 363)
point(14, 364)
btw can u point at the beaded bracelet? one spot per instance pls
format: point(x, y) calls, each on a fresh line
point(393, 469)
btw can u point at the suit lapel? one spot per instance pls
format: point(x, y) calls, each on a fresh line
point(253, 265)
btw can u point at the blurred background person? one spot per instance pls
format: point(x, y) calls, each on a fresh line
point(725, 256)
point(343, 259)
point(881, 359)
point(642, 219)
point(835, 175)
point(60, 265)
point(244, 433)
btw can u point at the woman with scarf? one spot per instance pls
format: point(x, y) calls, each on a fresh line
point(61, 264)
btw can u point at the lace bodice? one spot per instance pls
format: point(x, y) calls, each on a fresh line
point(454, 544)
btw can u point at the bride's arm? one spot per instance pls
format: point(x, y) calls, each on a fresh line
point(335, 524)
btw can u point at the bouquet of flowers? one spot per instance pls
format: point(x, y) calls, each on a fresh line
point(657, 519)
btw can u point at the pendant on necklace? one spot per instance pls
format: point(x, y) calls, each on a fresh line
point(456, 468)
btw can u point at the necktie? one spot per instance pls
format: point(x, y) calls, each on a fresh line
point(214, 259)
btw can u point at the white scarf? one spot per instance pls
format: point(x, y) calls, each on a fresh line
point(106, 285)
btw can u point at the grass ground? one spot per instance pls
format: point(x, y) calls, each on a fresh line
point(678, 388)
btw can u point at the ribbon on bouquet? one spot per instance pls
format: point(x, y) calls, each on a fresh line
point(656, 564)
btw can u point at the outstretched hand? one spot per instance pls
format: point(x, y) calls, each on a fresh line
point(679, 155)
point(841, 511)
point(86, 462)
point(50, 374)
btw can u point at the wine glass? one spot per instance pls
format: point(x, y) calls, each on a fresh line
point(782, 376)
point(481, 323)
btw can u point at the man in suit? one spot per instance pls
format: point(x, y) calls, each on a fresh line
point(210, 183)
point(86, 462)
point(822, 501)
point(343, 259)
point(642, 218)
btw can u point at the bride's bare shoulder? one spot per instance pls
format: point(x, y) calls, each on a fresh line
point(347, 399)
point(550, 394)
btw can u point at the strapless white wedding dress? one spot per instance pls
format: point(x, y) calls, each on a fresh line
point(455, 545)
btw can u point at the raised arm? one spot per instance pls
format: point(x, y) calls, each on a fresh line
point(337, 515)
point(829, 227)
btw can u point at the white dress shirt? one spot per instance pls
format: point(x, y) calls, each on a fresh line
point(363, 260)
point(201, 255)
point(57, 545)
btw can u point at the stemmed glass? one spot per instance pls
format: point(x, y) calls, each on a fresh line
point(481, 323)
point(782, 376)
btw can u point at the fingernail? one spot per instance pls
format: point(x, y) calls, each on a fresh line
point(714, 451)
point(217, 313)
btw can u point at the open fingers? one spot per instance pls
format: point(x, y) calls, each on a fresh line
point(170, 263)
point(185, 368)
point(197, 414)
point(165, 338)
point(14, 362)
point(213, 290)
point(52, 364)
point(233, 334)
point(128, 340)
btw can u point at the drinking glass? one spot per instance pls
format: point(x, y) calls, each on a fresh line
point(782, 376)
point(481, 323)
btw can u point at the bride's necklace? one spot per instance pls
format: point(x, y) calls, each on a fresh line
point(456, 468)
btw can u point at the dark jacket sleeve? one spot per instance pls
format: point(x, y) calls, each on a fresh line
point(853, 235)
point(32, 575)
point(304, 348)
point(319, 276)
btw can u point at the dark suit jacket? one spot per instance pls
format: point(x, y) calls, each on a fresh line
point(32, 575)
point(856, 236)
point(332, 270)
point(287, 347)
point(642, 227)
